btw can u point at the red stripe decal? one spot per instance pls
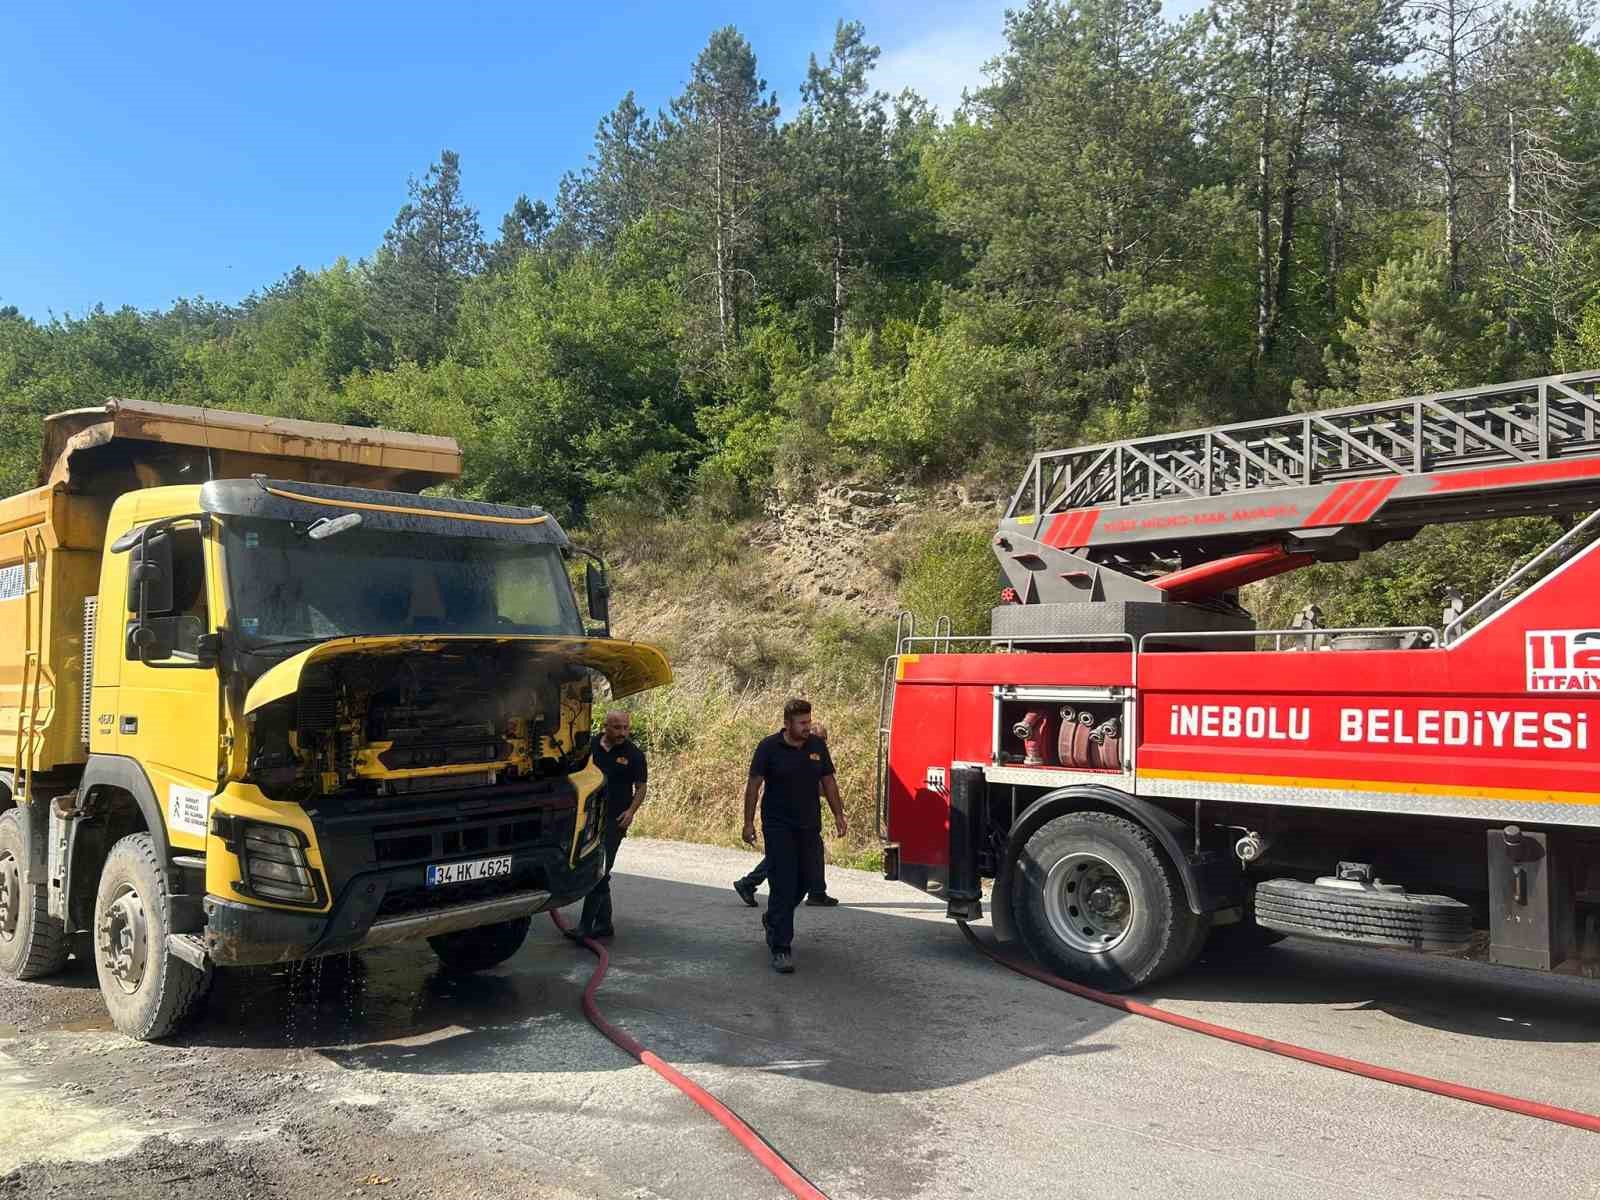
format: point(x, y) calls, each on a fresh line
point(1545, 472)
point(1071, 528)
point(1051, 536)
point(1373, 500)
point(1323, 513)
point(1352, 501)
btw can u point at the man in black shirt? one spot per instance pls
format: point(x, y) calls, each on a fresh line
point(626, 775)
point(791, 770)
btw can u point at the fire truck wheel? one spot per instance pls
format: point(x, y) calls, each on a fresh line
point(1100, 904)
point(149, 990)
point(32, 943)
point(481, 948)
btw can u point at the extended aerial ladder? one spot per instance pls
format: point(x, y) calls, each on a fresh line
point(1155, 534)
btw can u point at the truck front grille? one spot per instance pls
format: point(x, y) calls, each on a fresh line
point(434, 841)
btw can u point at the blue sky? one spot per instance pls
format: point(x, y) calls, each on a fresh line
point(149, 152)
point(165, 150)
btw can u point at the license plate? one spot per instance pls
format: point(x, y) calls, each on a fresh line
point(440, 874)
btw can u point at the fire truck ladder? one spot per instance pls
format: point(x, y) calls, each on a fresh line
point(1197, 513)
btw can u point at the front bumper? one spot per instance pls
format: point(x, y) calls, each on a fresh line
point(240, 934)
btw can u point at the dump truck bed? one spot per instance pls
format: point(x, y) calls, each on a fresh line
point(140, 443)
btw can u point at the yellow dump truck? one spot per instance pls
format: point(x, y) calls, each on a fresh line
point(261, 701)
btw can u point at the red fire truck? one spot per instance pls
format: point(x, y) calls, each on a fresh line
point(1141, 769)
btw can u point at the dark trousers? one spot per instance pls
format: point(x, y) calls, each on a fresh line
point(794, 864)
point(597, 904)
point(759, 874)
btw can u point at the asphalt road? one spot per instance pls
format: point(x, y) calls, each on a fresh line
point(895, 1063)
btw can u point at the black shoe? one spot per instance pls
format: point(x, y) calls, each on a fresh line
point(607, 932)
point(783, 962)
point(822, 900)
point(746, 890)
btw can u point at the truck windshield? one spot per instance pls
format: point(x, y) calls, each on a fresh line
point(287, 587)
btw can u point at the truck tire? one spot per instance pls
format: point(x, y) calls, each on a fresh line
point(33, 944)
point(1100, 904)
point(149, 990)
point(481, 948)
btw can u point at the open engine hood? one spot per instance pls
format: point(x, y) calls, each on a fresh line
point(629, 667)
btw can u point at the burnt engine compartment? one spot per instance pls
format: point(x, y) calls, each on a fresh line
point(421, 721)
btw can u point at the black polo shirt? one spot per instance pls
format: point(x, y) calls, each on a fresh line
point(793, 776)
point(624, 766)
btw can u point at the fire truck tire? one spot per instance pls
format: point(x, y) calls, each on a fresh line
point(1099, 903)
point(150, 991)
point(479, 949)
point(32, 942)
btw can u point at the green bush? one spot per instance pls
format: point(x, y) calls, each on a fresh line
point(845, 653)
point(952, 573)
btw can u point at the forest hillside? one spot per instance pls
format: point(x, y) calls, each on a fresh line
point(732, 319)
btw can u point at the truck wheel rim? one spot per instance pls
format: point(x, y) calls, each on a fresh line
point(121, 938)
point(10, 897)
point(1088, 903)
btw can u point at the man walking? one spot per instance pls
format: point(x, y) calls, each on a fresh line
point(789, 774)
point(627, 774)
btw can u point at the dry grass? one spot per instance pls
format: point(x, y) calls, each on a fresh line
point(739, 649)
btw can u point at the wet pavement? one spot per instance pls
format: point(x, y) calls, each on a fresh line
point(896, 1063)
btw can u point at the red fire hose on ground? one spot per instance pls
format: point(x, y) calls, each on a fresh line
point(780, 1168)
point(798, 1185)
point(1336, 1062)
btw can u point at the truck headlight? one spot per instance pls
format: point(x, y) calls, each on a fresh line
point(273, 861)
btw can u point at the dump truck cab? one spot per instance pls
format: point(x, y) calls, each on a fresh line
point(314, 718)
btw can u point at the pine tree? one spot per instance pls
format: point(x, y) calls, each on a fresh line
point(619, 184)
point(1455, 35)
point(525, 229)
point(430, 252)
point(1081, 190)
point(840, 147)
point(1285, 71)
point(720, 144)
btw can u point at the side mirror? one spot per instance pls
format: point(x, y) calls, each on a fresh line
point(599, 594)
point(150, 574)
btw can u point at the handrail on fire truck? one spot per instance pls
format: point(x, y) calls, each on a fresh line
point(1506, 424)
point(1553, 555)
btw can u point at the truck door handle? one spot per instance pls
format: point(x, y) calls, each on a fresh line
point(130, 725)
